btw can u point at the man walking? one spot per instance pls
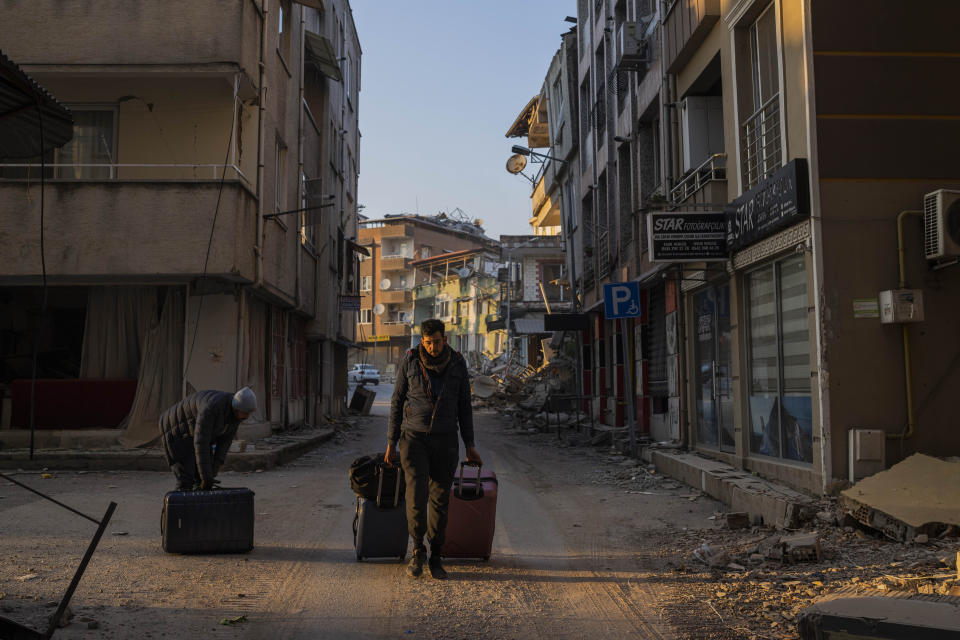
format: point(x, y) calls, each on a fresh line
point(431, 399)
point(197, 432)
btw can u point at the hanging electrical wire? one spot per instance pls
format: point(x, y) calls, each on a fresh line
point(213, 226)
point(43, 274)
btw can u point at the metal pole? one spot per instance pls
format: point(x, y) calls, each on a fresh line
point(509, 296)
point(628, 387)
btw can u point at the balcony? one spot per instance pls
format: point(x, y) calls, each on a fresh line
point(394, 329)
point(394, 263)
point(396, 231)
point(209, 37)
point(118, 228)
point(686, 27)
point(703, 181)
point(395, 296)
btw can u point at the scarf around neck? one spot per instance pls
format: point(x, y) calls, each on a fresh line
point(436, 364)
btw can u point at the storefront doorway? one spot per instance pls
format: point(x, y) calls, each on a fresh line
point(714, 386)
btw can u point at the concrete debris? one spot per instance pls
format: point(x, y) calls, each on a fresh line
point(916, 496)
point(738, 520)
point(879, 617)
point(802, 548)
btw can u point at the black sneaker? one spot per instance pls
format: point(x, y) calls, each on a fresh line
point(436, 568)
point(415, 566)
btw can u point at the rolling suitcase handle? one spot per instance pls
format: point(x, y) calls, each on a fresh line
point(478, 488)
point(396, 492)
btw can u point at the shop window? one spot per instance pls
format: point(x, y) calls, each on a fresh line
point(781, 413)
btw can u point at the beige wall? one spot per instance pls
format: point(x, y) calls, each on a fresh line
point(213, 362)
point(117, 32)
point(123, 231)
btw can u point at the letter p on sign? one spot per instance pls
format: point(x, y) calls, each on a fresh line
point(621, 300)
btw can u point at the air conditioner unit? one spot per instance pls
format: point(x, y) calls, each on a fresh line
point(941, 224)
point(631, 45)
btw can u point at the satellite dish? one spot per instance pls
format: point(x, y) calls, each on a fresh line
point(516, 163)
point(464, 272)
point(385, 283)
point(378, 309)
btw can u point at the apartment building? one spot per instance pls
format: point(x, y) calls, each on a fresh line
point(816, 342)
point(461, 289)
point(793, 369)
point(398, 245)
point(195, 231)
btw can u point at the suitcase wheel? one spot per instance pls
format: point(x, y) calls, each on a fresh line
point(359, 557)
point(403, 557)
point(486, 558)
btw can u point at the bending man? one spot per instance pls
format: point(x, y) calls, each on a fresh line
point(197, 432)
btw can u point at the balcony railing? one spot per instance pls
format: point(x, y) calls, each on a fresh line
point(395, 296)
point(760, 143)
point(714, 168)
point(394, 263)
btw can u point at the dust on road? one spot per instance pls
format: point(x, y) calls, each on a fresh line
point(572, 558)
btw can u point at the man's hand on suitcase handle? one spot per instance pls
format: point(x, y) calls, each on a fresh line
point(473, 457)
point(391, 457)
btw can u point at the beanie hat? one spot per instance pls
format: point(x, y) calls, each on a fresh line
point(245, 400)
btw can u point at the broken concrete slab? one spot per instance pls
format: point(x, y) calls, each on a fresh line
point(918, 495)
point(802, 548)
point(876, 618)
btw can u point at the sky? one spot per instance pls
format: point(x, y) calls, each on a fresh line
point(441, 83)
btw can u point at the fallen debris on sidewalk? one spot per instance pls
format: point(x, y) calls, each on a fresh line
point(918, 496)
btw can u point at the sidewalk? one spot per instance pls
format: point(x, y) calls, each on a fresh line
point(97, 451)
point(739, 490)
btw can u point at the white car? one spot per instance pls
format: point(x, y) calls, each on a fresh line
point(363, 373)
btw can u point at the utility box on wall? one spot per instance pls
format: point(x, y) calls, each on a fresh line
point(901, 305)
point(867, 452)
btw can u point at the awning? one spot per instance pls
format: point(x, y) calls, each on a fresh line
point(24, 105)
point(315, 4)
point(321, 57)
point(521, 126)
point(528, 326)
point(358, 248)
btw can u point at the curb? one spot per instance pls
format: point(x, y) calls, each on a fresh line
point(153, 459)
point(740, 490)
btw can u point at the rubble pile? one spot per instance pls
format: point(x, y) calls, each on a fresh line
point(759, 579)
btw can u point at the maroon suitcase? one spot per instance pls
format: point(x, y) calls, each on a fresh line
point(472, 515)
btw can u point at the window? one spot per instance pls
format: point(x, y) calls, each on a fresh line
point(93, 143)
point(365, 316)
point(558, 99)
point(760, 129)
point(443, 308)
point(280, 174)
point(365, 283)
point(283, 29)
point(781, 413)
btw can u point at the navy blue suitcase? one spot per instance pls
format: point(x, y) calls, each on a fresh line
point(217, 521)
point(380, 526)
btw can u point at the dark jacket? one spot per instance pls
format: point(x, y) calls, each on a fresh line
point(412, 410)
point(207, 418)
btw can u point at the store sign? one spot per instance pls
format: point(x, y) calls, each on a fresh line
point(378, 338)
point(687, 237)
point(349, 303)
point(778, 202)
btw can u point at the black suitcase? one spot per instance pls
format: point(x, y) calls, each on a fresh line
point(217, 521)
point(380, 525)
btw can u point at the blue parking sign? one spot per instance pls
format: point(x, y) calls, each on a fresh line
point(621, 300)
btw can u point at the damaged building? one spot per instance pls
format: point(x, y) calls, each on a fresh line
point(196, 231)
